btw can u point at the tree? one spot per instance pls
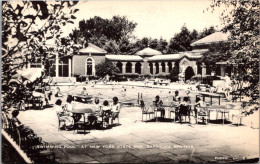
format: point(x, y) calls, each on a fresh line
point(181, 41)
point(100, 31)
point(106, 68)
point(206, 32)
point(26, 26)
point(243, 24)
point(217, 52)
point(174, 74)
point(162, 45)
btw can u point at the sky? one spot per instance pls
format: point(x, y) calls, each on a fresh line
point(154, 18)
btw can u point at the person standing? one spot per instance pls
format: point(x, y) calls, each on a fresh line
point(227, 86)
point(115, 109)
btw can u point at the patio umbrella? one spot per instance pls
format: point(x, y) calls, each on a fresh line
point(32, 73)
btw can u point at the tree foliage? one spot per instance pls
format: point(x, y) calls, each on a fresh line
point(182, 40)
point(26, 26)
point(104, 32)
point(243, 24)
point(106, 68)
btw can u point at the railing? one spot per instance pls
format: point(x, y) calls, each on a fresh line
point(25, 141)
point(16, 147)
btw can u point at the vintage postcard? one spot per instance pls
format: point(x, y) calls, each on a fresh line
point(165, 81)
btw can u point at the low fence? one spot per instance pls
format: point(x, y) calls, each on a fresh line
point(29, 146)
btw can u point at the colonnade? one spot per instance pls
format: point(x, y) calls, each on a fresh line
point(157, 67)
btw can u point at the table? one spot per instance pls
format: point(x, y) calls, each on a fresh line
point(34, 99)
point(211, 95)
point(86, 98)
point(82, 110)
point(223, 109)
point(167, 106)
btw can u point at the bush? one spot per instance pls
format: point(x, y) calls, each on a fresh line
point(174, 75)
point(162, 75)
point(93, 77)
point(106, 68)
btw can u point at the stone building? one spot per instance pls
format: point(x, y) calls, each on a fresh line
point(144, 62)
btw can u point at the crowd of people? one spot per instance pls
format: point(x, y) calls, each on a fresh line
point(103, 114)
point(182, 106)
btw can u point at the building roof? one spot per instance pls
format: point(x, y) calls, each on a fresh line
point(92, 49)
point(124, 57)
point(212, 38)
point(165, 57)
point(190, 54)
point(148, 52)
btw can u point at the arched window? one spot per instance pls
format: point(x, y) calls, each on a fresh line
point(163, 67)
point(128, 67)
point(89, 66)
point(157, 68)
point(170, 66)
point(119, 66)
point(151, 67)
point(138, 67)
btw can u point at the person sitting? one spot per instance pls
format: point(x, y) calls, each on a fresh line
point(188, 95)
point(92, 118)
point(158, 104)
point(67, 112)
point(97, 107)
point(84, 91)
point(115, 109)
point(16, 125)
point(183, 108)
point(58, 107)
point(199, 103)
point(47, 94)
point(106, 112)
point(176, 97)
point(15, 121)
point(58, 92)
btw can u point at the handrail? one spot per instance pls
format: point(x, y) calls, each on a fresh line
point(17, 148)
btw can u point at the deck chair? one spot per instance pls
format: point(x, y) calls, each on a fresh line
point(202, 114)
point(146, 110)
point(184, 111)
point(60, 120)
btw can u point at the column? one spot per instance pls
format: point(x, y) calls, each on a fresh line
point(57, 65)
point(195, 69)
point(123, 67)
point(73, 66)
point(154, 69)
point(203, 72)
point(145, 67)
point(173, 64)
point(166, 67)
point(160, 67)
point(69, 67)
point(222, 70)
point(142, 68)
point(133, 67)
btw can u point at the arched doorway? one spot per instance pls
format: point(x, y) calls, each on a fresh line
point(128, 67)
point(119, 66)
point(138, 68)
point(189, 72)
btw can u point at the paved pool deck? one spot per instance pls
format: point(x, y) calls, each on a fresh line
point(134, 141)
